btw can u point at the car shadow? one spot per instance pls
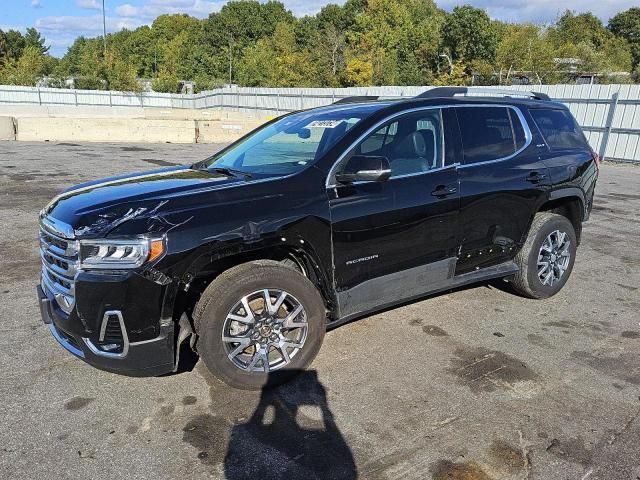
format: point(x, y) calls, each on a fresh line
point(292, 434)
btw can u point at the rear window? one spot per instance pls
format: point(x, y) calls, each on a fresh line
point(489, 133)
point(558, 128)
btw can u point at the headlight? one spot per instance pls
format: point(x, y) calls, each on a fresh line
point(119, 254)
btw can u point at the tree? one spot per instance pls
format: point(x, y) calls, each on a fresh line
point(119, 74)
point(627, 25)
point(166, 82)
point(27, 70)
point(33, 39)
point(525, 49)
point(399, 38)
point(456, 76)
point(358, 72)
point(277, 61)
point(328, 54)
point(15, 44)
point(575, 29)
point(469, 34)
point(3, 48)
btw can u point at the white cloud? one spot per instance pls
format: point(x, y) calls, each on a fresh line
point(36, 4)
point(126, 10)
point(543, 11)
point(153, 8)
point(6, 27)
point(84, 25)
point(308, 7)
point(89, 4)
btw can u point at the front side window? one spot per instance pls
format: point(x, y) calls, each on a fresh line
point(488, 133)
point(291, 143)
point(413, 143)
point(558, 128)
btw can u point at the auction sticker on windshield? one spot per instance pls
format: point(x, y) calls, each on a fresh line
point(324, 124)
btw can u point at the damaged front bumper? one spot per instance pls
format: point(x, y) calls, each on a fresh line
point(110, 333)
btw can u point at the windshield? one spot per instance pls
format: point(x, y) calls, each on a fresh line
point(292, 143)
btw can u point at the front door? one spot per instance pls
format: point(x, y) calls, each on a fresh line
point(396, 239)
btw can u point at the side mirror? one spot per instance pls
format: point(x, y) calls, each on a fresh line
point(363, 168)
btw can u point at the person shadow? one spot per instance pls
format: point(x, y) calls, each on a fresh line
point(291, 434)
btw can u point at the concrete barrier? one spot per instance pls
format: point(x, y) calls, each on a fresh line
point(7, 128)
point(104, 124)
point(97, 111)
point(223, 131)
point(105, 130)
point(135, 130)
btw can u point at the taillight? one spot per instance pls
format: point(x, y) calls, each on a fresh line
point(596, 158)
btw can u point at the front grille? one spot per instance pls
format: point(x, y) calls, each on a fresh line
point(59, 257)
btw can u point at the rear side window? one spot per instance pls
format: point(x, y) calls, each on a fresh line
point(558, 128)
point(518, 130)
point(488, 133)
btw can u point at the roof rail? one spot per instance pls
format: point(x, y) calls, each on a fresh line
point(360, 98)
point(452, 91)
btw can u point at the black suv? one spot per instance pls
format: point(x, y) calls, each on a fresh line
point(316, 218)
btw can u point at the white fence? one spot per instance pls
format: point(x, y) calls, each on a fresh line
point(609, 114)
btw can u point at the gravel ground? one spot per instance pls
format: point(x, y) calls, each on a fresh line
point(473, 384)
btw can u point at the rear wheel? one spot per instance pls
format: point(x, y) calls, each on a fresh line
point(256, 319)
point(546, 259)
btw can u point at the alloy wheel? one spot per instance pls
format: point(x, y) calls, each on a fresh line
point(265, 330)
point(554, 257)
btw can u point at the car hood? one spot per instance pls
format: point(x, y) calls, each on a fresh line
point(96, 208)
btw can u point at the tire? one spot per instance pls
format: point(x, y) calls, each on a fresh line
point(527, 282)
point(222, 302)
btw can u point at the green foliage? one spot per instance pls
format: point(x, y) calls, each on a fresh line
point(469, 34)
point(166, 82)
point(576, 29)
point(454, 76)
point(33, 39)
point(526, 48)
point(627, 25)
point(277, 61)
point(358, 73)
point(400, 38)
point(27, 70)
point(359, 43)
point(119, 74)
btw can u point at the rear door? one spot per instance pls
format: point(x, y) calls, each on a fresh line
point(567, 155)
point(503, 180)
point(397, 239)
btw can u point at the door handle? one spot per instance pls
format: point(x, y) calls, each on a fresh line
point(443, 191)
point(535, 177)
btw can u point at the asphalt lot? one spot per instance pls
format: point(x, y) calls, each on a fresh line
point(473, 384)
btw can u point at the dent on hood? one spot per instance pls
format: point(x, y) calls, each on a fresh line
point(108, 221)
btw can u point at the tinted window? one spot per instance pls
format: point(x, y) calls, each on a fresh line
point(290, 143)
point(518, 130)
point(379, 139)
point(558, 128)
point(412, 143)
point(486, 132)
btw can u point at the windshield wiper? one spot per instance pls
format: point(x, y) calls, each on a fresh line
point(230, 172)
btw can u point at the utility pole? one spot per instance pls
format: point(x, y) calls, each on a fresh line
point(230, 60)
point(104, 29)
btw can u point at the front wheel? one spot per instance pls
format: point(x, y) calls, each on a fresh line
point(257, 319)
point(547, 256)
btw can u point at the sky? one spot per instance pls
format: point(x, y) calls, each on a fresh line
point(61, 21)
